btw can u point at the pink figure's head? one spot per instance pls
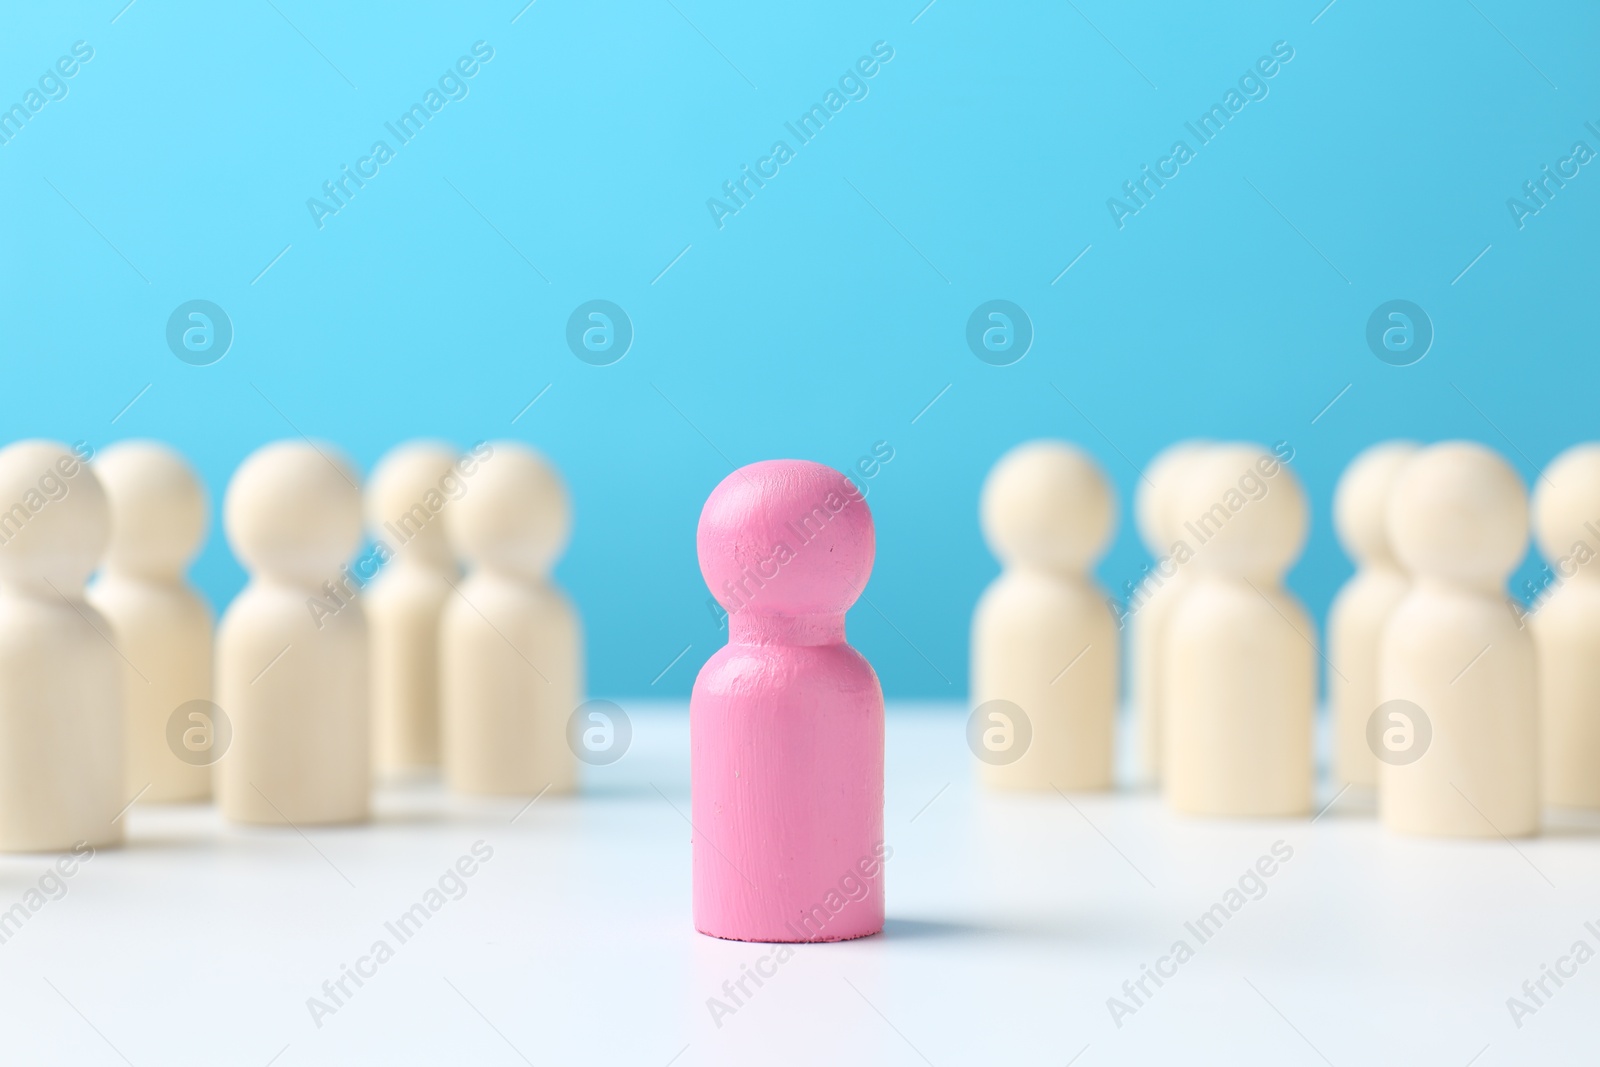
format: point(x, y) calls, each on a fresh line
point(786, 545)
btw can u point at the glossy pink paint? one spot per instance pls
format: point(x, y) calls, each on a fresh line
point(786, 721)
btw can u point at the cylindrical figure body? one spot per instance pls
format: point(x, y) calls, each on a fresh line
point(1048, 644)
point(786, 722)
point(1566, 630)
point(1146, 626)
point(1459, 656)
point(788, 787)
point(1356, 620)
point(405, 606)
point(1240, 739)
point(296, 696)
point(61, 773)
point(164, 628)
point(511, 655)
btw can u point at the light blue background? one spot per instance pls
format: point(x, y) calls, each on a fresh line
point(832, 309)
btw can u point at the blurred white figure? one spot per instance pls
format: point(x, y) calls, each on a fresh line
point(1456, 730)
point(292, 656)
point(511, 653)
point(1043, 637)
point(1150, 603)
point(406, 497)
point(1566, 627)
point(162, 626)
point(1240, 656)
point(61, 773)
point(1363, 606)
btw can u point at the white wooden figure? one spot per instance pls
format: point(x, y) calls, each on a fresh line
point(1363, 606)
point(511, 654)
point(406, 497)
point(61, 763)
point(1566, 627)
point(1456, 730)
point(1043, 636)
point(1151, 600)
point(1240, 679)
point(292, 651)
point(159, 514)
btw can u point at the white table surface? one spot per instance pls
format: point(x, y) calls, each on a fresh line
point(1011, 921)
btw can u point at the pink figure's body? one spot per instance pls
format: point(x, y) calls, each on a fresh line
point(786, 722)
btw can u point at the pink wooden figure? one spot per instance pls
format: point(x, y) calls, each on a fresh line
point(786, 722)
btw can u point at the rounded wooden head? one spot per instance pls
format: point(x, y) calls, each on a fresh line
point(1244, 511)
point(1459, 512)
point(1047, 504)
point(1566, 508)
point(408, 489)
point(513, 515)
point(1155, 499)
point(54, 519)
point(293, 511)
point(158, 507)
point(1361, 500)
point(786, 537)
